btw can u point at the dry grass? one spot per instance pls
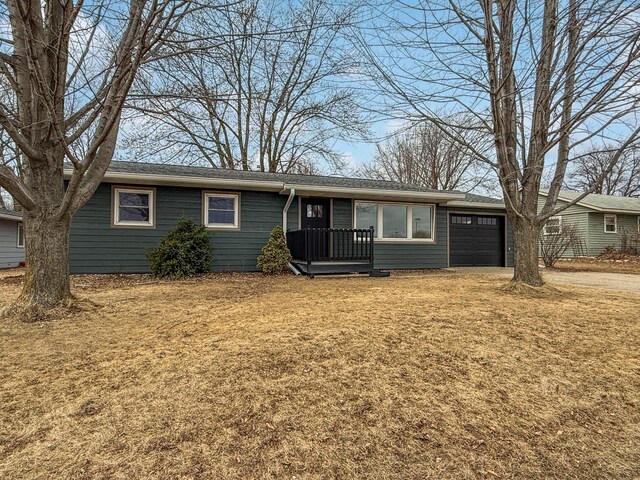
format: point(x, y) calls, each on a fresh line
point(241, 376)
point(628, 265)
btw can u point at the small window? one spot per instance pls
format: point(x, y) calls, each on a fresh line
point(487, 221)
point(461, 220)
point(610, 224)
point(221, 210)
point(553, 226)
point(638, 225)
point(20, 235)
point(133, 207)
point(314, 211)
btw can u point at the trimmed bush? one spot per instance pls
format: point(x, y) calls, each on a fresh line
point(275, 256)
point(184, 252)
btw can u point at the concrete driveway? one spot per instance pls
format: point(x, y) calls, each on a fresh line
point(623, 282)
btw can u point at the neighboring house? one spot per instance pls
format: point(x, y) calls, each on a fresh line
point(138, 203)
point(11, 239)
point(601, 220)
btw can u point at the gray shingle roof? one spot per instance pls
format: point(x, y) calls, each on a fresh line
point(609, 203)
point(289, 178)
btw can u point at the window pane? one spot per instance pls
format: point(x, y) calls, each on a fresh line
point(133, 214)
point(133, 199)
point(20, 235)
point(394, 221)
point(314, 211)
point(366, 215)
point(221, 203)
point(421, 222)
point(221, 217)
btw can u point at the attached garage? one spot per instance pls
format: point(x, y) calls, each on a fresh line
point(476, 240)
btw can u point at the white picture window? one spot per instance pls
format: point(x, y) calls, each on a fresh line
point(20, 236)
point(610, 224)
point(221, 210)
point(133, 207)
point(396, 221)
point(553, 226)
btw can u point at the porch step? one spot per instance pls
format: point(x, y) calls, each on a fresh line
point(331, 268)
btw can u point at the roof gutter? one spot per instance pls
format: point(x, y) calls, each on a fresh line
point(493, 206)
point(374, 193)
point(4, 216)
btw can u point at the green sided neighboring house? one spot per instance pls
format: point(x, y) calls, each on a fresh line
point(602, 221)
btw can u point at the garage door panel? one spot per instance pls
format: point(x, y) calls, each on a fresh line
point(476, 240)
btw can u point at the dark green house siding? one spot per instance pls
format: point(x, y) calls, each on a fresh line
point(96, 247)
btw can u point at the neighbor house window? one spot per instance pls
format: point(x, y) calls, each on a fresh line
point(610, 224)
point(20, 235)
point(638, 225)
point(553, 226)
point(394, 221)
point(221, 210)
point(133, 207)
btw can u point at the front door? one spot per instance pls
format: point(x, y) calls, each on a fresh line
point(315, 213)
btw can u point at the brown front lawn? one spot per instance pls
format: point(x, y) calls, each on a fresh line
point(242, 376)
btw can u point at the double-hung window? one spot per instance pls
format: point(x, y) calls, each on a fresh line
point(133, 207)
point(396, 221)
point(221, 210)
point(553, 226)
point(610, 224)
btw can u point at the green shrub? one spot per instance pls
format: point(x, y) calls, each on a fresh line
point(275, 256)
point(183, 252)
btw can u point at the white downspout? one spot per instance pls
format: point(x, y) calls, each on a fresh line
point(285, 210)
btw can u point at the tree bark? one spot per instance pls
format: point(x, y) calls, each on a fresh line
point(525, 237)
point(46, 282)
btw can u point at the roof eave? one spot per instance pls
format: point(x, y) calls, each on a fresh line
point(15, 218)
point(281, 187)
point(465, 204)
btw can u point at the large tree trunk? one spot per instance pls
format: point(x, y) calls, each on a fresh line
point(46, 281)
point(525, 238)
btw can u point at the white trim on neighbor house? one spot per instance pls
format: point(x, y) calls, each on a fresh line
point(20, 235)
point(615, 223)
point(236, 211)
point(559, 225)
point(15, 218)
point(115, 207)
point(638, 225)
point(379, 228)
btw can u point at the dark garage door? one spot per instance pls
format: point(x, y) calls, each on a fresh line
point(476, 240)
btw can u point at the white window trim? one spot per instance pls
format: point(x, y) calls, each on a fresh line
point(20, 227)
point(556, 217)
point(638, 225)
point(221, 226)
point(131, 223)
point(615, 223)
point(379, 227)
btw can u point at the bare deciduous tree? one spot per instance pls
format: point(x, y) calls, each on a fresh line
point(262, 91)
point(591, 172)
point(543, 78)
point(424, 156)
point(68, 68)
